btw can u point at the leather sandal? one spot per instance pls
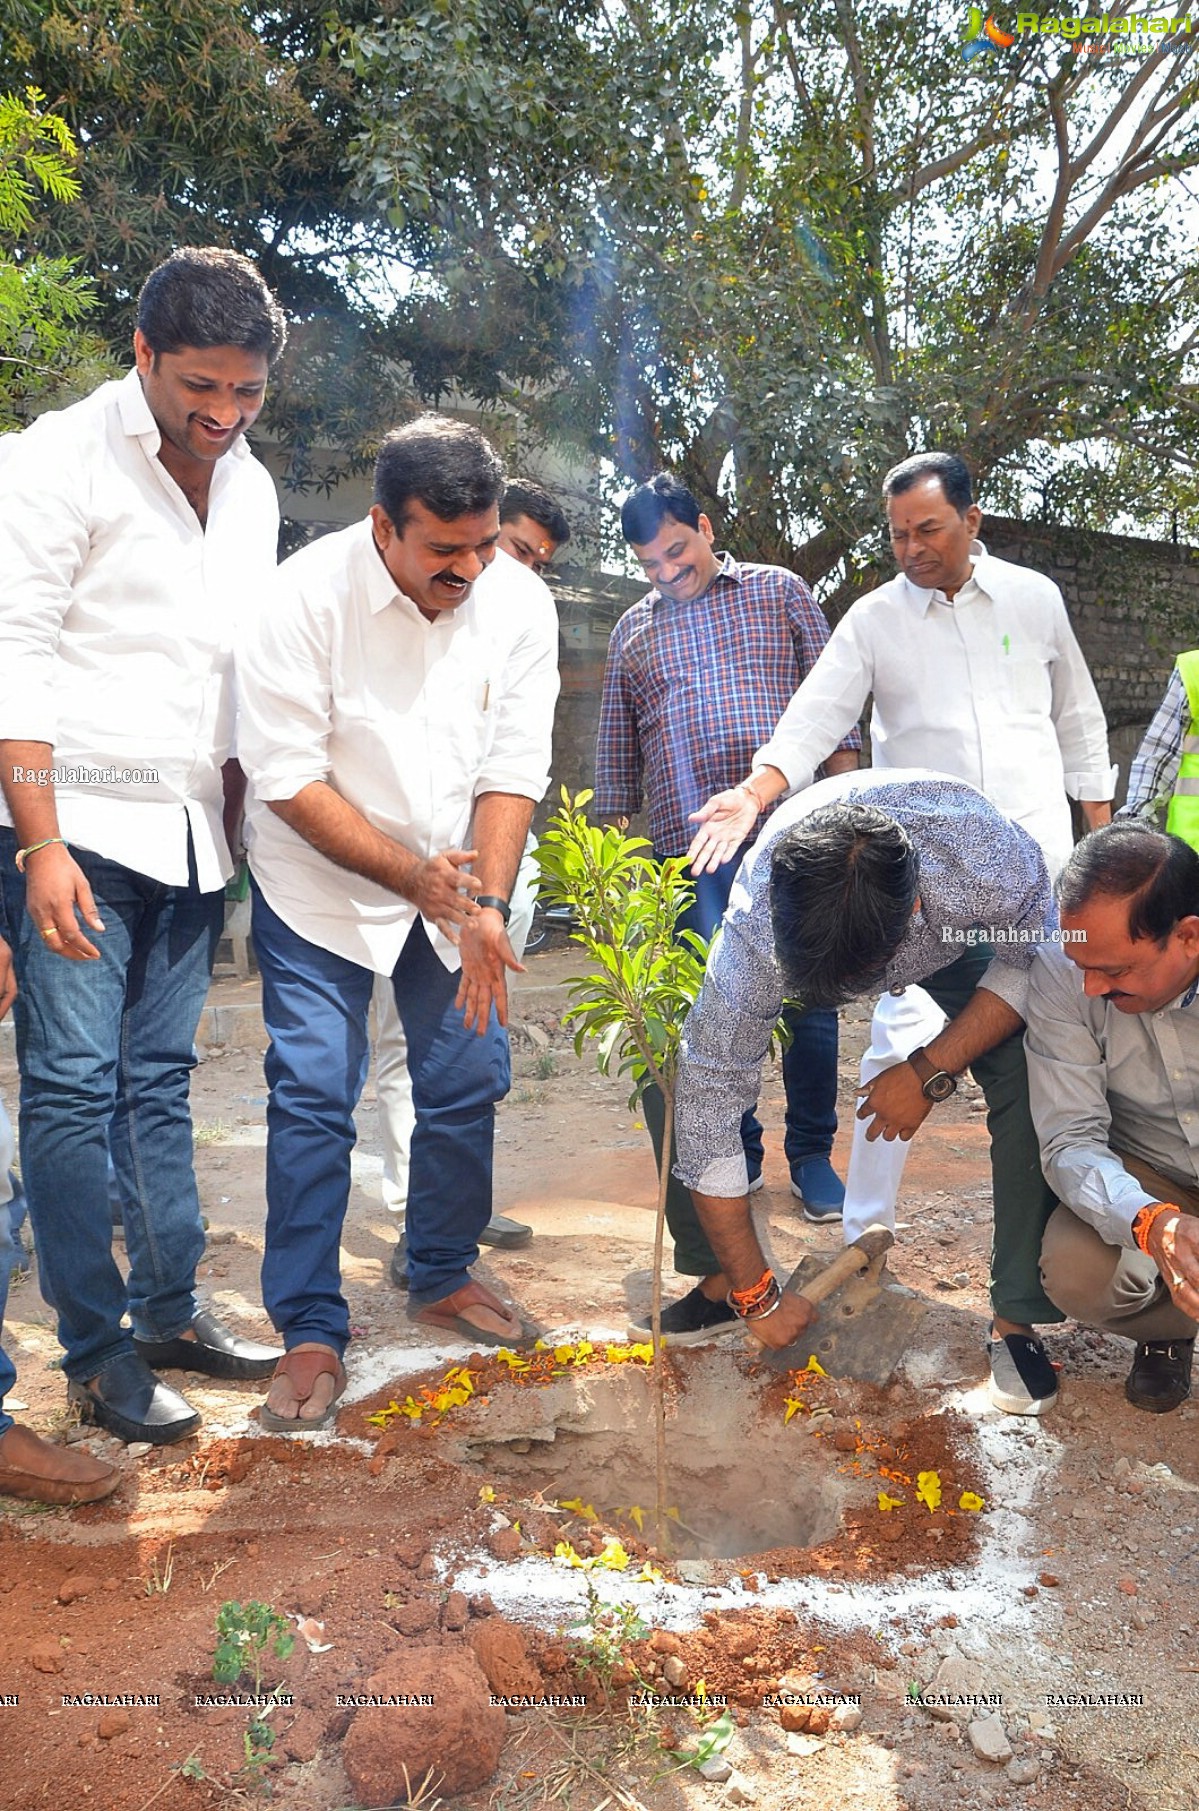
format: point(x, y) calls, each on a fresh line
point(446, 1316)
point(302, 1366)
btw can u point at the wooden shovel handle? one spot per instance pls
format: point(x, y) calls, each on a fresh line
point(874, 1243)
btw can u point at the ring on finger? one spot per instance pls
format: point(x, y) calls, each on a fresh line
point(50, 930)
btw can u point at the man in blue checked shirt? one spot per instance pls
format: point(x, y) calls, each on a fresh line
point(697, 672)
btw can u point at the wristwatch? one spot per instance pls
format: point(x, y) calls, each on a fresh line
point(935, 1084)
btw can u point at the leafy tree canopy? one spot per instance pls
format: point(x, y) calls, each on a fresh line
point(777, 246)
point(43, 348)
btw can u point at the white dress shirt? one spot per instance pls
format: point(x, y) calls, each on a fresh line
point(991, 687)
point(344, 680)
point(117, 621)
point(1098, 1077)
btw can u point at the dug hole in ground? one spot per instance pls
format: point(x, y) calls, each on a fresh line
point(475, 1530)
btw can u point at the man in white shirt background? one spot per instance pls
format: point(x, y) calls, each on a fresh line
point(136, 531)
point(974, 671)
point(532, 529)
point(396, 732)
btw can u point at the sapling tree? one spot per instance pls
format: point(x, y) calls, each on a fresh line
point(636, 998)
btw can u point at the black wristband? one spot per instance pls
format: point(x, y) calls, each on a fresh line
point(496, 903)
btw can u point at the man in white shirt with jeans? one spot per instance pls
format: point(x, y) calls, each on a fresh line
point(136, 531)
point(396, 733)
point(975, 672)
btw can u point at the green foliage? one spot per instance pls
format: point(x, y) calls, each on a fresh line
point(775, 247)
point(246, 1633)
point(43, 348)
point(602, 1636)
point(625, 905)
point(714, 1739)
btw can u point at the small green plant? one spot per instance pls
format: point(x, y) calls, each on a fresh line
point(603, 1634)
point(547, 1066)
point(714, 1738)
point(245, 1634)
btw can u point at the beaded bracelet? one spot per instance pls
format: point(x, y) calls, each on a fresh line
point(1143, 1222)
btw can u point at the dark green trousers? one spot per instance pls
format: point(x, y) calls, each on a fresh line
point(1023, 1199)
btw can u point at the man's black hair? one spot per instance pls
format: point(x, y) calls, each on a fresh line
point(447, 466)
point(204, 296)
point(842, 886)
point(951, 473)
point(663, 497)
point(524, 498)
point(1156, 873)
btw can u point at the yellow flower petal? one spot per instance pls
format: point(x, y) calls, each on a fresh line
point(970, 1499)
point(885, 1502)
point(649, 1575)
point(815, 1367)
point(486, 1494)
point(586, 1510)
point(637, 1516)
point(928, 1489)
point(614, 1556)
point(793, 1407)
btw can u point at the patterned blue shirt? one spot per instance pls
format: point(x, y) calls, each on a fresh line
point(978, 872)
point(692, 689)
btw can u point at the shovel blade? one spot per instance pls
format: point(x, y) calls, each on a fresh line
point(863, 1330)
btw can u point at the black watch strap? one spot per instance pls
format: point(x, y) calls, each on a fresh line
point(496, 903)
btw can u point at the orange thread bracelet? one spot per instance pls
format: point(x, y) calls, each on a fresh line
point(757, 1292)
point(1143, 1223)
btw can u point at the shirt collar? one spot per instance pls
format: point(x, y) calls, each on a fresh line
point(921, 598)
point(727, 568)
point(137, 419)
point(381, 588)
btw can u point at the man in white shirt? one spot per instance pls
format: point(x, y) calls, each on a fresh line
point(974, 671)
point(396, 732)
point(136, 529)
point(532, 529)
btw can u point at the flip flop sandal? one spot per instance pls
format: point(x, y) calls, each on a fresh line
point(302, 1365)
point(446, 1317)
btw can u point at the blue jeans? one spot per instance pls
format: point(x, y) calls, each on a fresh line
point(809, 1062)
point(9, 1258)
point(106, 1050)
point(316, 1006)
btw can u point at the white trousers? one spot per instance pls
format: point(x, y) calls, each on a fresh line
point(393, 1085)
point(901, 1024)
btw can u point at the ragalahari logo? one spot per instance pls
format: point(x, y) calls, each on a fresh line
point(983, 36)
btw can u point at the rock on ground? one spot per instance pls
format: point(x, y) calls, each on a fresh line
point(458, 1737)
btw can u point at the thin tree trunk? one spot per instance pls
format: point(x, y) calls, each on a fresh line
point(655, 1315)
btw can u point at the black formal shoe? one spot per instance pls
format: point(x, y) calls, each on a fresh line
point(132, 1403)
point(1160, 1378)
point(215, 1351)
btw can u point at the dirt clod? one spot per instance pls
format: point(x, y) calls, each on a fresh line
point(112, 1723)
point(501, 1652)
point(457, 1737)
point(75, 1584)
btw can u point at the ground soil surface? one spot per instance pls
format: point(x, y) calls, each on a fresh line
point(1038, 1651)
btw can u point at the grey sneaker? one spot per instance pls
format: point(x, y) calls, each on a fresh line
point(1023, 1382)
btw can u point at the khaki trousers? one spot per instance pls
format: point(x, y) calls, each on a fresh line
point(1109, 1286)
